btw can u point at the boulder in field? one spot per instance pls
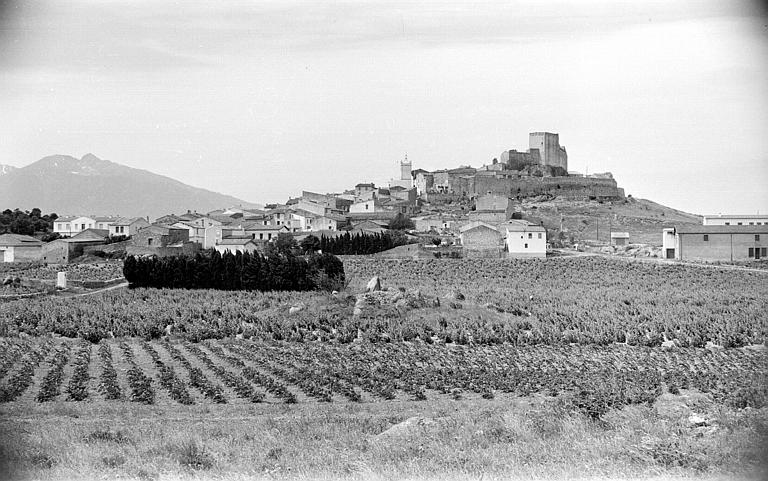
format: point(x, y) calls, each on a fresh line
point(297, 308)
point(373, 285)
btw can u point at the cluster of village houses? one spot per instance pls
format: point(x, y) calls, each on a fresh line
point(489, 228)
point(367, 209)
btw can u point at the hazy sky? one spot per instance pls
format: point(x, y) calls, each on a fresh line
point(263, 99)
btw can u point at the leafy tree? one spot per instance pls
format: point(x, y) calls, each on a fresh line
point(310, 244)
point(285, 244)
point(401, 222)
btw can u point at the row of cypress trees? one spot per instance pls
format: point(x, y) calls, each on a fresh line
point(240, 271)
point(359, 244)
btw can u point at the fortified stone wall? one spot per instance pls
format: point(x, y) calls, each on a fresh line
point(568, 187)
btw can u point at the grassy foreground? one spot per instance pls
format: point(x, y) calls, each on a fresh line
point(503, 438)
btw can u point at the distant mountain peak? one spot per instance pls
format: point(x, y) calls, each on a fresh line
point(90, 185)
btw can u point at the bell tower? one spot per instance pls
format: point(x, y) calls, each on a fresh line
point(405, 168)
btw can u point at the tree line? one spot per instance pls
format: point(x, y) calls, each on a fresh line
point(240, 271)
point(358, 244)
point(26, 222)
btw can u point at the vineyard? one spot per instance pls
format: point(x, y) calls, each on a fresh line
point(238, 371)
point(586, 301)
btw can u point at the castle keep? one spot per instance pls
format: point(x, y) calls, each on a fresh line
point(541, 170)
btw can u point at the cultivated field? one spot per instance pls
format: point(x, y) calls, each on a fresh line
point(514, 369)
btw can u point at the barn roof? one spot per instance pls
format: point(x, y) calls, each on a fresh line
point(18, 240)
point(722, 229)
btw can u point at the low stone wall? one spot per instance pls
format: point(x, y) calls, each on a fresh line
point(108, 248)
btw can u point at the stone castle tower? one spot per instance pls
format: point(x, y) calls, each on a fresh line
point(550, 150)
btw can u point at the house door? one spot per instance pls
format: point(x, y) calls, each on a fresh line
point(670, 253)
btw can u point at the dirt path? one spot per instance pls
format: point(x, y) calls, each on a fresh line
point(97, 291)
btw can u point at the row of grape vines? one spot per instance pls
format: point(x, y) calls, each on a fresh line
point(244, 371)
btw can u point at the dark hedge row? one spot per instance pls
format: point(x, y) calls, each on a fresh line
point(360, 244)
point(240, 271)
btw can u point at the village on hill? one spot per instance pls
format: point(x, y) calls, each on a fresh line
point(522, 204)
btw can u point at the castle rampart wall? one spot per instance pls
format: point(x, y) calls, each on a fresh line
point(569, 187)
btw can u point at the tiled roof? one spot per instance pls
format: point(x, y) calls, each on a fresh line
point(18, 240)
point(475, 225)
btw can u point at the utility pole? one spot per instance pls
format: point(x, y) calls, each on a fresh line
point(610, 229)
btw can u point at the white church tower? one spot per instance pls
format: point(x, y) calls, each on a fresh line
point(405, 180)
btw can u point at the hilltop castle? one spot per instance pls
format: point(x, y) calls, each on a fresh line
point(541, 170)
point(543, 149)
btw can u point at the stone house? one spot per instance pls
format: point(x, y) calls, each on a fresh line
point(19, 248)
point(127, 226)
point(160, 236)
point(481, 239)
point(62, 251)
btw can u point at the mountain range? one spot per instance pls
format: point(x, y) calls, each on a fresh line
point(93, 186)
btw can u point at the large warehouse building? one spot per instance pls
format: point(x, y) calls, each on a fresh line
point(716, 242)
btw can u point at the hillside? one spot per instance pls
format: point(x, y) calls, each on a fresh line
point(90, 185)
point(643, 219)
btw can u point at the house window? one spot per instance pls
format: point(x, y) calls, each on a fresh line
point(757, 237)
point(269, 236)
point(82, 227)
point(261, 236)
point(751, 252)
point(751, 223)
point(762, 251)
point(366, 206)
point(149, 241)
point(727, 223)
point(526, 246)
point(706, 237)
point(739, 223)
point(530, 235)
point(539, 235)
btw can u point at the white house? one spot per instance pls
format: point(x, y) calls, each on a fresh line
point(304, 219)
point(71, 225)
point(328, 222)
point(371, 205)
point(525, 239)
point(103, 223)
point(213, 234)
point(265, 232)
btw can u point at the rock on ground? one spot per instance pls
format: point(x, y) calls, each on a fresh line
point(373, 285)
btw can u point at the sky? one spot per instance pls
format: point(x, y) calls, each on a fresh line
point(262, 100)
